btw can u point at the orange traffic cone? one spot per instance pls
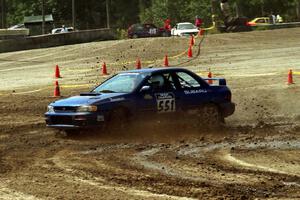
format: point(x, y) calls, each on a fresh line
point(166, 61)
point(57, 73)
point(210, 76)
point(104, 69)
point(192, 40)
point(56, 90)
point(138, 64)
point(190, 52)
point(290, 77)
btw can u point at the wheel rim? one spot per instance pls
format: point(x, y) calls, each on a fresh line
point(210, 115)
point(118, 120)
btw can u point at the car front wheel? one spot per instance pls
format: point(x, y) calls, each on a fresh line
point(118, 121)
point(71, 132)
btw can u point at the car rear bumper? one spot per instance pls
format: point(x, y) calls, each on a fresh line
point(227, 109)
point(188, 33)
point(73, 121)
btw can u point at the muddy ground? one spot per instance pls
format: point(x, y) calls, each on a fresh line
point(256, 155)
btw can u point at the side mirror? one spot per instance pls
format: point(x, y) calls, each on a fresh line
point(145, 88)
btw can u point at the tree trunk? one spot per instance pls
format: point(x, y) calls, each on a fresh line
point(238, 9)
point(43, 17)
point(107, 14)
point(298, 10)
point(262, 8)
point(3, 14)
point(73, 14)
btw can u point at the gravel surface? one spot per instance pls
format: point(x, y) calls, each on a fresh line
point(255, 156)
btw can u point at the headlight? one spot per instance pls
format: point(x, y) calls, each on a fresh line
point(87, 109)
point(50, 109)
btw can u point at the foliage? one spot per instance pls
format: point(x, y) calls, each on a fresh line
point(92, 13)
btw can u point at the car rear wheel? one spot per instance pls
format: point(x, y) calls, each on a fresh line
point(210, 116)
point(165, 34)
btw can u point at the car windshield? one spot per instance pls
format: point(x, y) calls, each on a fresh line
point(186, 26)
point(121, 83)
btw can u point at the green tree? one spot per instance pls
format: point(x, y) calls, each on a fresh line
point(92, 13)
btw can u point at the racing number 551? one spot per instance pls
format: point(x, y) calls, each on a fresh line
point(166, 105)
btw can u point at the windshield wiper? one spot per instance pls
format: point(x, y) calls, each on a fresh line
point(89, 94)
point(106, 91)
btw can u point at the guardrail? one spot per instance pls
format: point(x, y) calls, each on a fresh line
point(13, 34)
point(52, 40)
point(277, 26)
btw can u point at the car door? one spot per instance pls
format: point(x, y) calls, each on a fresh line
point(159, 98)
point(192, 93)
point(150, 30)
point(138, 30)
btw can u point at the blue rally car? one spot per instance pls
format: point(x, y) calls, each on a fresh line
point(147, 94)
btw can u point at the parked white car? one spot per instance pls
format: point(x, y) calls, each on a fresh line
point(18, 26)
point(62, 30)
point(184, 29)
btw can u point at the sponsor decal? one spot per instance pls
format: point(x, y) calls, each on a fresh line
point(100, 118)
point(117, 99)
point(195, 91)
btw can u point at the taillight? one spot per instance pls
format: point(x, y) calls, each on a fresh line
point(228, 97)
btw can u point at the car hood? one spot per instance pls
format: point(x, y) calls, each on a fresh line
point(88, 99)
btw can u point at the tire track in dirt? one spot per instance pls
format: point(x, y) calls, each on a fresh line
point(230, 158)
point(10, 194)
point(100, 182)
point(218, 149)
point(217, 152)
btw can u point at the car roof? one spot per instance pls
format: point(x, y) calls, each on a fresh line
point(154, 70)
point(260, 18)
point(184, 23)
point(144, 24)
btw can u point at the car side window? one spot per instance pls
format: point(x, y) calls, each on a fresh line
point(138, 27)
point(187, 81)
point(260, 21)
point(169, 81)
point(162, 82)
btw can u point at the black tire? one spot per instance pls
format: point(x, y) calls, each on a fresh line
point(236, 21)
point(71, 132)
point(210, 116)
point(118, 121)
point(238, 28)
point(229, 29)
point(165, 34)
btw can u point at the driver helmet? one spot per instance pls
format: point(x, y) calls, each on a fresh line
point(158, 80)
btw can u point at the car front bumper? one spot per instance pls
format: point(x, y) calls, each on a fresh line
point(188, 33)
point(227, 109)
point(73, 120)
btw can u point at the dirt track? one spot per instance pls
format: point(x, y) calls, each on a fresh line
point(256, 156)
